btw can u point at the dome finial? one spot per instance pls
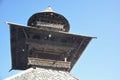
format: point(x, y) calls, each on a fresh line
point(49, 9)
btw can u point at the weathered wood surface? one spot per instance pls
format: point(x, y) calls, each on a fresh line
point(48, 63)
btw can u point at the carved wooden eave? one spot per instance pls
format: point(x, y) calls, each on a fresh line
point(31, 46)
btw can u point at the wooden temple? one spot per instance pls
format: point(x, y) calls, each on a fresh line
point(45, 42)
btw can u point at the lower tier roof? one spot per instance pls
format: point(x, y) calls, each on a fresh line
point(42, 74)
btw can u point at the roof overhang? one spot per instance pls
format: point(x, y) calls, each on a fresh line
point(72, 44)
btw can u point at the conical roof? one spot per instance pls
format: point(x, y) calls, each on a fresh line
point(50, 20)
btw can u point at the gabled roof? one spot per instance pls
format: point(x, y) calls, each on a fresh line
point(42, 74)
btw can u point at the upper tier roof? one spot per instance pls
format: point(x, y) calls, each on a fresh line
point(50, 20)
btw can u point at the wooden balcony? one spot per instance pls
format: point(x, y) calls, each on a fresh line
point(48, 63)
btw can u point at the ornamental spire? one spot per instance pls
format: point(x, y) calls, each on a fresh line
point(49, 9)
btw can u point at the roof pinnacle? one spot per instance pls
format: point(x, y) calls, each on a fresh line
point(49, 9)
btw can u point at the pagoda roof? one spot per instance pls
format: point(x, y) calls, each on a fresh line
point(76, 50)
point(42, 74)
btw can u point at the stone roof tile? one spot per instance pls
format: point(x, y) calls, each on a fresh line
point(42, 74)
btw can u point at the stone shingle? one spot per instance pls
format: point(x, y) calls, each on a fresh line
point(42, 74)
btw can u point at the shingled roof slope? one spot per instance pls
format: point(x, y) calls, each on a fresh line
point(42, 74)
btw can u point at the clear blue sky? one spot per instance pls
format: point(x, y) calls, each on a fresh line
point(99, 18)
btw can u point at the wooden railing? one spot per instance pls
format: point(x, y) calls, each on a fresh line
point(48, 63)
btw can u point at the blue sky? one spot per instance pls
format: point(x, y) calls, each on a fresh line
point(99, 18)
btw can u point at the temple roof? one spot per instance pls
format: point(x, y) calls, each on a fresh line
point(73, 46)
point(42, 74)
point(49, 19)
